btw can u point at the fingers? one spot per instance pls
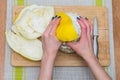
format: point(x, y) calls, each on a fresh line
point(86, 26)
point(83, 28)
point(92, 36)
point(49, 25)
point(92, 32)
point(70, 44)
point(53, 24)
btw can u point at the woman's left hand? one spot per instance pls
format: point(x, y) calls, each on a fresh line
point(50, 43)
point(50, 47)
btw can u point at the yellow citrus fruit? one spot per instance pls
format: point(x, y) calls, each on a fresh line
point(68, 29)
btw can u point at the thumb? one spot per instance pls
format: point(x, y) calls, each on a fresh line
point(71, 44)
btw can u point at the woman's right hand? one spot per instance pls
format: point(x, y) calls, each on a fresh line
point(84, 47)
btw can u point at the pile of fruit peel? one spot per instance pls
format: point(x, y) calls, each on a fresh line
point(27, 27)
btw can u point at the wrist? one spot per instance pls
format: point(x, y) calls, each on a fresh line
point(49, 56)
point(89, 57)
point(91, 60)
point(47, 61)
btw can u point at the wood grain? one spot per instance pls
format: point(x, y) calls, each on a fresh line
point(73, 59)
point(2, 36)
point(116, 24)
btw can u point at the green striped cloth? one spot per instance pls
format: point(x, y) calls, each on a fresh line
point(18, 71)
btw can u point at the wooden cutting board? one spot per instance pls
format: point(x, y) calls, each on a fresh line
point(64, 59)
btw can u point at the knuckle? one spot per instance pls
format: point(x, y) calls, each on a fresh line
point(45, 35)
point(51, 34)
point(52, 24)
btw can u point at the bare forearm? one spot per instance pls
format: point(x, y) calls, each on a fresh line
point(97, 70)
point(46, 68)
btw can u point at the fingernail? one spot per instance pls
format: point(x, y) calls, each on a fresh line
point(59, 16)
point(78, 18)
point(86, 18)
point(52, 18)
point(55, 16)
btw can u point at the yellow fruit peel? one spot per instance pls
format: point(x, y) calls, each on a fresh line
point(66, 31)
point(30, 49)
point(33, 20)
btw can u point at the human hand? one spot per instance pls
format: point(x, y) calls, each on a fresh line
point(50, 43)
point(50, 47)
point(84, 47)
